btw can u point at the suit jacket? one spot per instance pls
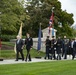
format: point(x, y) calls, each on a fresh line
point(74, 45)
point(28, 43)
point(19, 45)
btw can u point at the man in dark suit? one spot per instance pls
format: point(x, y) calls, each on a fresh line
point(19, 48)
point(29, 44)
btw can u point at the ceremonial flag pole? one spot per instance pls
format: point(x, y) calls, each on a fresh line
point(51, 22)
point(39, 42)
point(19, 34)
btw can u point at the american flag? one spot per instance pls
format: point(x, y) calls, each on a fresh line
point(51, 21)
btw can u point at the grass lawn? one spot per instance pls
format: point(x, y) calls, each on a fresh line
point(67, 67)
point(9, 54)
point(8, 43)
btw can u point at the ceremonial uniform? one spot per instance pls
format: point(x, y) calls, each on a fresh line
point(74, 49)
point(53, 43)
point(48, 44)
point(58, 48)
point(65, 47)
point(69, 48)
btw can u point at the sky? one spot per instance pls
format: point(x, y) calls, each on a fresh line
point(69, 6)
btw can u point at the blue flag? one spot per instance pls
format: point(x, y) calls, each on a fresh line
point(39, 40)
point(52, 31)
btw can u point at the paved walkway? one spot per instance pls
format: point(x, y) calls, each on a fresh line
point(12, 61)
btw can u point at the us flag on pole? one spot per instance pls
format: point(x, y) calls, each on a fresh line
point(51, 21)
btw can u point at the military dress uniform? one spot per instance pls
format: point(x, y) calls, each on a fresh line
point(48, 44)
point(53, 43)
point(58, 48)
point(65, 47)
point(74, 50)
point(29, 44)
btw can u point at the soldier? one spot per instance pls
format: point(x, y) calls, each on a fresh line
point(53, 44)
point(48, 44)
point(69, 48)
point(74, 49)
point(58, 48)
point(29, 44)
point(65, 47)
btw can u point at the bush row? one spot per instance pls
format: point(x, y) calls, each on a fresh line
point(8, 37)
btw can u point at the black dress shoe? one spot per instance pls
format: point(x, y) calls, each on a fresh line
point(72, 58)
point(45, 58)
point(22, 59)
point(16, 60)
point(25, 60)
point(29, 60)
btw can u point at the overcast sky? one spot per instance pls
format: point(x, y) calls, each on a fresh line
point(69, 6)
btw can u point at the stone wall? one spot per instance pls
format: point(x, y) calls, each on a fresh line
point(35, 43)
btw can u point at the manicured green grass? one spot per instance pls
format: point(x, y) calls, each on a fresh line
point(8, 43)
point(67, 67)
point(9, 54)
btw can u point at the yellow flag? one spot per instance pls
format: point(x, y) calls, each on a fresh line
point(20, 31)
point(20, 35)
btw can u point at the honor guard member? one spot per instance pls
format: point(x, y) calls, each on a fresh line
point(69, 48)
point(19, 48)
point(58, 48)
point(74, 49)
point(65, 47)
point(72, 46)
point(29, 44)
point(53, 44)
point(47, 44)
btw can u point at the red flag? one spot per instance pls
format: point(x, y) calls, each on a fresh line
point(51, 20)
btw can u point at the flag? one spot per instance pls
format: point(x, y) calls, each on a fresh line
point(51, 21)
point(39, 40)
point(52, 31)
point(20, 31)
point(19, 34)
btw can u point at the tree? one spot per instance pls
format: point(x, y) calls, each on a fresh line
point(12, 14)
point(40, 12)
